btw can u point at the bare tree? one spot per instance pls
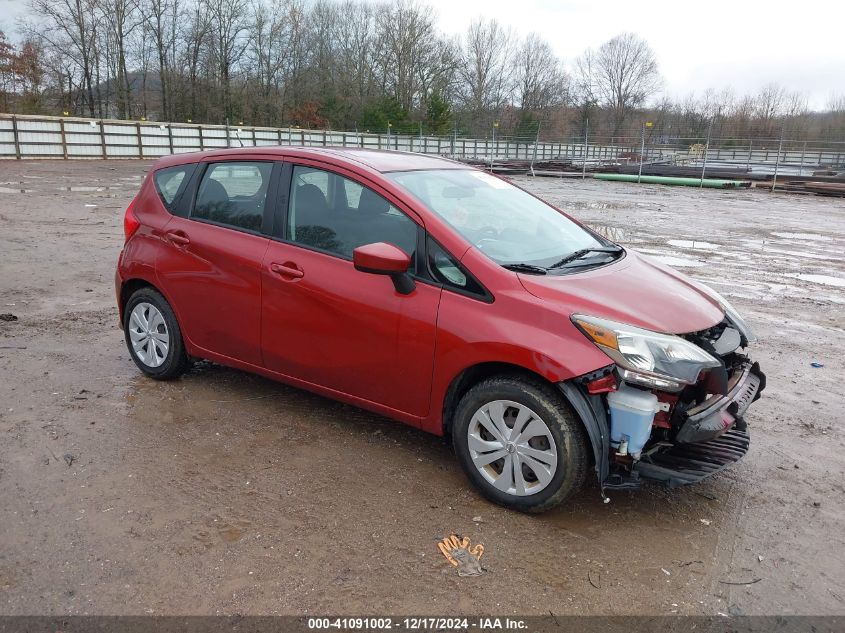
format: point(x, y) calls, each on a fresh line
point(623, 74)
point(71, 27)
point(540, 81)
point(161, 23)
point(485, 72)
point(413, 55)
point(121, 18)
point(228, 24)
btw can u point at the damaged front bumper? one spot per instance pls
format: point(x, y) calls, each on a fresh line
point(705, 439)
point(718, 413)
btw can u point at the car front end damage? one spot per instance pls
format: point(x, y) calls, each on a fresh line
point(671, 408)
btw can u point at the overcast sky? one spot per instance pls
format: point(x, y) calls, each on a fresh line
point(715, 43)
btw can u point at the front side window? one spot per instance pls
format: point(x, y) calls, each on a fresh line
point(234, 194)
point(448, 272)
point(335, 214)
point(507, 224)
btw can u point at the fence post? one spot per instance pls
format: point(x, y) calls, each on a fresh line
point(706, 149)
point(227, 132)
point(15, 137)
point(803, 151)
point(586, 151)
point(777, 161)
point(138, 136)
point(64, 137)
point(170, 137)
point(103, 138)
point(202, 140)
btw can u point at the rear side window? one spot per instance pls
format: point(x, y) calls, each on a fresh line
point(170, 182)
point(233, 194)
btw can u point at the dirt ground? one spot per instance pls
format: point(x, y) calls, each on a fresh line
point(226, 493)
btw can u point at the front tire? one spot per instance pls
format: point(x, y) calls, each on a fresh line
point(519, 443)
point(153, 336)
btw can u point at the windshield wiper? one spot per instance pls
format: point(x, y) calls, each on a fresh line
point(525, 268)
point(585, 251)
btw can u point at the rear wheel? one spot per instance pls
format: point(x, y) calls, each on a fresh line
point(519, 443)
point(153, 335)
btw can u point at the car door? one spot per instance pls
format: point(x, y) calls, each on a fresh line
point(211, 270)
point(330, 325)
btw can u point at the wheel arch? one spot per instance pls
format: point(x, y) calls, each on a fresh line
point(132, 285)
point(472, 375)
point(587, 409)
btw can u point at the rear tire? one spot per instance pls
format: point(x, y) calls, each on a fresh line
point(520, 443)
point(153, 336)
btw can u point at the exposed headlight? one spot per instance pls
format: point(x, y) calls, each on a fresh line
point(658, 360)
point(730, 312)
point(733, 316)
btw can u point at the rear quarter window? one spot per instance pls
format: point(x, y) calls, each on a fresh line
point(170, 182)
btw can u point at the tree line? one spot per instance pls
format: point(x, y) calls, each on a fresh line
point(359, 65)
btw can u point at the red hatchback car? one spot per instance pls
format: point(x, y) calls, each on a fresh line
point(443, 297)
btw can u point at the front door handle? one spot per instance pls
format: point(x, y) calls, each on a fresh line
point(288, 269)
point(178, 237)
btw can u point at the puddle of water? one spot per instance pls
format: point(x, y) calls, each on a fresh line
point(804, 236)
point(826, 258)
point(680, 262)
point(695, 244)
point(827, 280)
point(11, 190)
point(88, 188)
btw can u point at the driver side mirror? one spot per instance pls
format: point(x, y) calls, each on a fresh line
point(385, 259)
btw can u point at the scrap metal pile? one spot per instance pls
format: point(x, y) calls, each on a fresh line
point(829, 181)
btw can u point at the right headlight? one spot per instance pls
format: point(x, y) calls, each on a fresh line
point(658, 360)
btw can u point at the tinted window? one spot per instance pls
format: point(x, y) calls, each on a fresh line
point(336, 214)
point(449, 272)
point(169, 182)
point(234, 194)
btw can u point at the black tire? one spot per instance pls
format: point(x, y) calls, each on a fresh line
point(566, 430)
point(176, 362)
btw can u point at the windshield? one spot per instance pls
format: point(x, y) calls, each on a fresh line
point(507, 224)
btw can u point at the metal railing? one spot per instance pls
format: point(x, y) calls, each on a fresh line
point(23, 137)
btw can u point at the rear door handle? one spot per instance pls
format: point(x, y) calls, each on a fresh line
point(288, 269)
point(178, 238)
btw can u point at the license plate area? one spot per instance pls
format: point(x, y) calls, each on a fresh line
point(746, 394)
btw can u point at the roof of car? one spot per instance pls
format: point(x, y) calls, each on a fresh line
point(379, 160)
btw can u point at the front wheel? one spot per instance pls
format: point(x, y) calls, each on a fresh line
point(153, 335)
point(519, 443)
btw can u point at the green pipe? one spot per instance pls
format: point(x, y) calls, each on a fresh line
point(713, 183)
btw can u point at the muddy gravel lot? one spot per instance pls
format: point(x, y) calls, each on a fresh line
point(226, 493)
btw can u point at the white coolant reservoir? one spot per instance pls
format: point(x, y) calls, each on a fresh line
point(631, 414)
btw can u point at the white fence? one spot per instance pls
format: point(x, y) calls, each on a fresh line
point(57, 137)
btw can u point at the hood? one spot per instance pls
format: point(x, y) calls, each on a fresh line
point(636, 290)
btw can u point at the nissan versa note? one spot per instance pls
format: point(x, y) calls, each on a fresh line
point(443, 297)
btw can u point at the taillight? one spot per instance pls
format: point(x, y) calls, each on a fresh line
point(130, 221)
